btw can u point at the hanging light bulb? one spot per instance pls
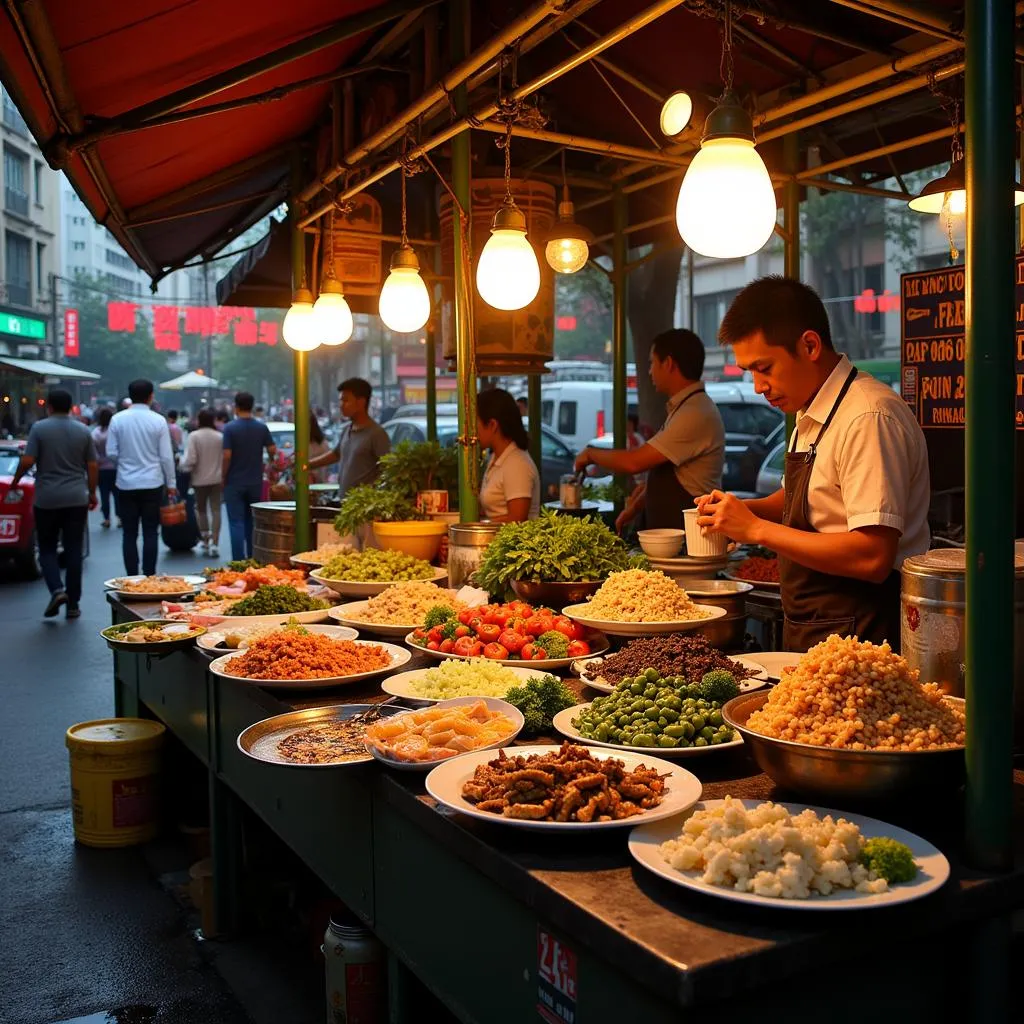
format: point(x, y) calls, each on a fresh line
point(676, 113)
point(298, 329)
point(948, 193)
point(404, 300)
point(567, 244)
point(508, 274)
point(726, 206)
point(332, 317)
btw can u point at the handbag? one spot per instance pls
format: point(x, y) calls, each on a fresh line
point(173, 514)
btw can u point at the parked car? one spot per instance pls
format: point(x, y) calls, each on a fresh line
point(556, 457)
point(17, 519)
point(579, 409)
point(769, 479)
point(283, 434)
point(752, 429)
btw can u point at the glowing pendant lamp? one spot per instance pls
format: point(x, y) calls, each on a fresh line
point(949, 192)
point(508, 274)
point(567, 244)
point(331, 313)
point(726, 206)
point(676, 114)
point(299, 327)
point(404, 300)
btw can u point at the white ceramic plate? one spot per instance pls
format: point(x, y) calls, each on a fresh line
point(445, 782)
point(399, 657)
point(578, 613)
point(563, 724)
point(342, 613)
point(317, 615)
point(644, 843)
point(598, 645)
point(304, 563)
point(115, 582)
point(357, 588)
point(775, 661)
point(401, 685)
point(210, 640)
point(494, 703)
point(754, 682)
point(756, 584)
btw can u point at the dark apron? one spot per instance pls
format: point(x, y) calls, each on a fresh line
point(666, 497)
point(817, 604)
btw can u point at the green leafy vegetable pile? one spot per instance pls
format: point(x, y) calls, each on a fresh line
point(552, 549)
point(275, 600)
point(540, 699)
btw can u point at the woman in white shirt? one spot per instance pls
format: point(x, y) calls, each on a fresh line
point(204, 460)
point(510, 491)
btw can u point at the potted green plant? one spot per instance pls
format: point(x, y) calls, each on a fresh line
point(426, 471)
point(394, 519)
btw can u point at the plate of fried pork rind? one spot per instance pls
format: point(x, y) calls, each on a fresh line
point(567, 787)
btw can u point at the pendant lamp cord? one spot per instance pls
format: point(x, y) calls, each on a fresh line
point(726, 67)
point(405, 234)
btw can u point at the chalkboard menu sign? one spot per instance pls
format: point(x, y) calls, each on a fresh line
point(932, 350)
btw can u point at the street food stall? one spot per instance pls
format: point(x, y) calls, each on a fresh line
point(381, 138)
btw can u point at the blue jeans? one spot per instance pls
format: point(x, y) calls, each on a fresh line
point(108, 489)
point(239, 499)
point(53, 524)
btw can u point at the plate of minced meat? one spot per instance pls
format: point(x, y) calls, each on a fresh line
point(678, 654)
point(326, 737)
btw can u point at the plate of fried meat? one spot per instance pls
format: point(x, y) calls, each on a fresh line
point(559, 788)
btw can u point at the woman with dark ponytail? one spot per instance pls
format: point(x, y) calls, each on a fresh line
point(510, 491)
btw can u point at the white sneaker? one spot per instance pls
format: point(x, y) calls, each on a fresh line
point(205, 548)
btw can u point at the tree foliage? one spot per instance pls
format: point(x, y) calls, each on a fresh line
point(587, 296)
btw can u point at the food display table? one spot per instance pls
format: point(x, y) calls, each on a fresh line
point(506, 926)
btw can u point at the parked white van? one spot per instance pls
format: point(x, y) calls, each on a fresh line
point(580, 410)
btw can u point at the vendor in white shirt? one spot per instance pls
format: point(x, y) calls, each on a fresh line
point(854, 501)
point(510, 491)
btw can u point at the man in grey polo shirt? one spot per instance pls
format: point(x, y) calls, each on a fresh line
point(686, 453)
point(362, 440)
point(64, 455)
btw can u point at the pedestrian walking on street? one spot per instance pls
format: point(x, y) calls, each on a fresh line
point(108, 471)
point(64, 455)
point(204, 460)
point(245, 439)
point(139, 442)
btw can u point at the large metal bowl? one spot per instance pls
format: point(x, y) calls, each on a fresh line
point(845, 775)
point(554, 595)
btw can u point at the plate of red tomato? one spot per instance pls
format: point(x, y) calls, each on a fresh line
point(510, 634)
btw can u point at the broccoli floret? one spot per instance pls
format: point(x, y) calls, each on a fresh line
point(448, 628)
point(719, 685)
point(540, 699)
point(553, 643)
point(438, 614)
point(889, 859)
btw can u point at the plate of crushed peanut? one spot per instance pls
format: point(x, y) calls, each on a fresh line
point(559, 788)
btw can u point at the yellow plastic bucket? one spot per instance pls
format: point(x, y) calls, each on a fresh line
point(115, 765)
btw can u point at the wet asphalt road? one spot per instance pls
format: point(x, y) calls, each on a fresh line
point(84, 930)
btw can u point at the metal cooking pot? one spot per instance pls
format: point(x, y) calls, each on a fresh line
point(726, 633)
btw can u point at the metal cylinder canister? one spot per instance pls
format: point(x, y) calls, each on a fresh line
point(467, 543)
point(355, 965)
point(933, 599)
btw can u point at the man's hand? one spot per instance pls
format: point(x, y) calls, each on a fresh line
point(582, 460)
point(625, 517)
point(725, 513)
point(172, 494)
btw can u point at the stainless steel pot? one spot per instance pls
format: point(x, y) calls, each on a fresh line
point(932, 633)
point(727, 632)
point(466, 545)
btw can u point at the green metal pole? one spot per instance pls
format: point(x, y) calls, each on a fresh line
point(431, 375)
point(989, 433)
point(465, 350)
point(791, 215)
point(300, 364)
point(533, 401)
point(620, 283)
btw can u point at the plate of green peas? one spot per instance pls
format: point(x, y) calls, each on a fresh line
point(663, 715)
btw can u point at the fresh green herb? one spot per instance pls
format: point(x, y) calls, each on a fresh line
point(239, 565)
point(438, 614)
point(610, 491)
point(550, 549)
point(540, 699)
point(718, 684)
point(413, 466)
point(275, 600)
point(889, 859)
point(367, 504)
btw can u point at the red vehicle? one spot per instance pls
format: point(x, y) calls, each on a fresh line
point(17, 519)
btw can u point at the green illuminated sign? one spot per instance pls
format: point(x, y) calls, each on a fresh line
point(22, 326)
